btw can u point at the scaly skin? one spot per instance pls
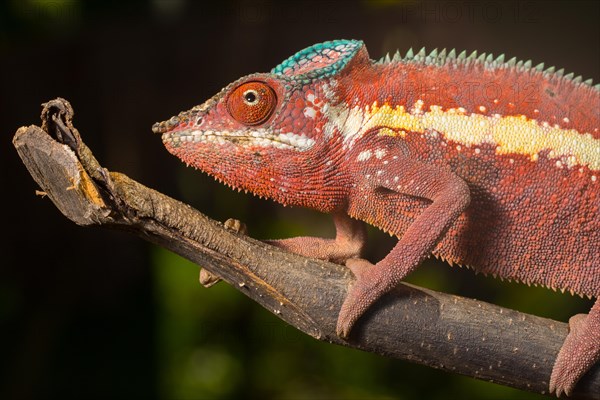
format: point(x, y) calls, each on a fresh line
point(490, 164)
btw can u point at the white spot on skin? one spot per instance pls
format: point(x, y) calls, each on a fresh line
point(418, 107)
point(477, 151)
point(380, 153)
point(364, 155)
point(329, 89)
point(298, 141)
point(482, 109)
point(310, 112)
point(347, 121)
point(594, 178)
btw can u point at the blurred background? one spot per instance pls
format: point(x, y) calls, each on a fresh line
point(90, 313)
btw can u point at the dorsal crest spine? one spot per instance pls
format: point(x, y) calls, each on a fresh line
point(442, 57)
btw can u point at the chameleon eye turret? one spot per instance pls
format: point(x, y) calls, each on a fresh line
point(252, 103)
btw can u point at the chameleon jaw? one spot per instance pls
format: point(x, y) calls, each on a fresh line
point(252, 138)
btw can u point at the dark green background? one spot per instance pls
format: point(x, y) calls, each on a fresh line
point(89, 313)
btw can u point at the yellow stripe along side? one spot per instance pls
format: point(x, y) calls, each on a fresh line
point(510, 134)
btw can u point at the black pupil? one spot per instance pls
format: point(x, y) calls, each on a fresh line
point(250, 97)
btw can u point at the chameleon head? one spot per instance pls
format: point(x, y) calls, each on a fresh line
point(266, 132)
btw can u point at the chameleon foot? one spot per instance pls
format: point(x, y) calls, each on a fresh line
point(579, 353)
point(236, 226)
point(349, 242)
point(208, 279)
point(364, 292)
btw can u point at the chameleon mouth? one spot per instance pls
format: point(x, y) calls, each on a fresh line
point(254, 138)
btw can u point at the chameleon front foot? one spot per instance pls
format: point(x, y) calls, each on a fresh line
point(362, 294)
point(208, 279)
point(350, 239)
point(579, 353)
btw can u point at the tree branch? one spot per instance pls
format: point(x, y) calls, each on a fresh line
point(443, 331)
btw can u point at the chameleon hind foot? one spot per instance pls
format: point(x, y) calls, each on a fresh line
point(579, 353)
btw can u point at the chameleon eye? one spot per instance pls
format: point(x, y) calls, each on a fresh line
point(252, 103)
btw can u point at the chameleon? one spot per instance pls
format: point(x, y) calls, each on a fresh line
point(483, 162)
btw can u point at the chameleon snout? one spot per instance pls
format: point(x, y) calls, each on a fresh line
point(165, 126)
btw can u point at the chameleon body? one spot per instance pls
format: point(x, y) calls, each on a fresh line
point(483, 162)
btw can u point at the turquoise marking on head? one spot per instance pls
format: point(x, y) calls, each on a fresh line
point(320, 60)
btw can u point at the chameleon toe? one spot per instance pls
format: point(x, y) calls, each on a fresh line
point(580, 351)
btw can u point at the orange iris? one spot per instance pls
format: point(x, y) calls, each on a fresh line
point(252, 103)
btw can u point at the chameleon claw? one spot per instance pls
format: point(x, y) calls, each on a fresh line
point(208, 279)
point(342, 329)
point(236, 226)
point(345, 320)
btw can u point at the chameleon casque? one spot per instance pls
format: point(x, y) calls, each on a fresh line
point(482, 162)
